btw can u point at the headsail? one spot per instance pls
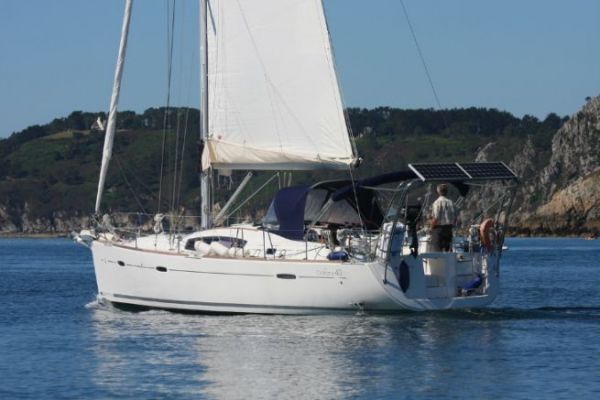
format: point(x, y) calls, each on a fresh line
point(274, 100)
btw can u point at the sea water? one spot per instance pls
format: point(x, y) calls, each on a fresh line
point(539, 340)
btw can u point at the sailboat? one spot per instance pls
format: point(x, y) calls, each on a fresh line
point(270, 101)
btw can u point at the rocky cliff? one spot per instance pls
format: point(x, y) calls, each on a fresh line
point(48, 173)
point(563, 196)
point(23, 221)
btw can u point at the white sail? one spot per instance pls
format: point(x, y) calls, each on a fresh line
point(274, 100)
point(114, 101)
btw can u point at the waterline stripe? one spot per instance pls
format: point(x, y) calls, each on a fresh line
point(202, 303)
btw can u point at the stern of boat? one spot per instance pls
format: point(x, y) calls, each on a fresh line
point(437, 281)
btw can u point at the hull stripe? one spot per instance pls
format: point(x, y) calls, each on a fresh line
point(222, 305)
point(218, 273)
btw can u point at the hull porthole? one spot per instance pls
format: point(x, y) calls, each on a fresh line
point(286, 276)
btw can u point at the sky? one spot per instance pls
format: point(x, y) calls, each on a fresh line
point(523, 56)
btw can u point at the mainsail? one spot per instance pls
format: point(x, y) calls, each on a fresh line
point(274, 100)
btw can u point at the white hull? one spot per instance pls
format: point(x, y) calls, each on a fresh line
point(183, 281)
point(275, 105)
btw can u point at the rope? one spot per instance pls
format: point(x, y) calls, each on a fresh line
point(144, 186)
point(362, 224)
point(176, 159)
point(170, 37)
point(185, 130)
point(188, 87)
point(137, 200)
point(252, 195)
point(180, 151)
point(339, 89)
point(422, 57)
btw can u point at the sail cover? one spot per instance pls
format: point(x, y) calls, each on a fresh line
point(273, 95)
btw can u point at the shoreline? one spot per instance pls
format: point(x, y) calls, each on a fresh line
point(22, 235)
point(65, 235)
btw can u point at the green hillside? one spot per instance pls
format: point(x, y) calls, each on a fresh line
point(54, 167)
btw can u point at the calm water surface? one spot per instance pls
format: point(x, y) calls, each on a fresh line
point(540, 340)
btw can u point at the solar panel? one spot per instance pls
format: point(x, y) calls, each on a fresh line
point(462, 171)
point(488, 170)
point(439, 172)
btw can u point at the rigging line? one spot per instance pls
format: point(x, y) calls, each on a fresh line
point(340, 91)
point(252, 195)
point(185, 130)
point(171, 112)
point(192, 70)
point(177, 173)
point(150, 191)
point(137, 200)
point(215, 59)
point(177, 186)
point(179, 180)
point(485, 210)
point(355, 192)
point(175, 176)
point(422, 57)
point(170, 35)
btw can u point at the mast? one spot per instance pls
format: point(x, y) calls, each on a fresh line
point(114, 100)
point(205, 174)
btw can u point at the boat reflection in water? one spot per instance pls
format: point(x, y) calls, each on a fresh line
point(256, 356)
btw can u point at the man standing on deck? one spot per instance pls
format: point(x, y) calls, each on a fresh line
point(443, 218)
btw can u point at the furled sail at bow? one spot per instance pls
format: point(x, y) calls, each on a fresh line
point(274, 100)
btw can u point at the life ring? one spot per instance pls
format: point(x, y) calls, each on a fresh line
point(487, 234)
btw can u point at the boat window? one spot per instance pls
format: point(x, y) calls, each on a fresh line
point(315, 200)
